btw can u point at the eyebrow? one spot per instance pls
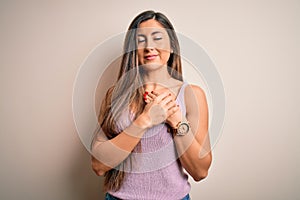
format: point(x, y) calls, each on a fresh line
point(153, 33)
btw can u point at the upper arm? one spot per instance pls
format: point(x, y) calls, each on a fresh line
point(99, 136)
point(104, 105)
point(197, 114)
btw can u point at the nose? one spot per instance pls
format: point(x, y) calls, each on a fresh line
point(149, 44)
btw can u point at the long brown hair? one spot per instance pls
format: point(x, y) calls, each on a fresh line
point(127, 93)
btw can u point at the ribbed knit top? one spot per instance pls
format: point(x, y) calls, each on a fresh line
point(153, 170)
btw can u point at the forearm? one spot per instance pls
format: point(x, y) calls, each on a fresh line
point(194, 157)
point(111, 153)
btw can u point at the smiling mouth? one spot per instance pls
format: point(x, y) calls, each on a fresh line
point(150, 57)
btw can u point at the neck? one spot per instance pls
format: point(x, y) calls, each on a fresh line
point(157, 79)
point(159, 76)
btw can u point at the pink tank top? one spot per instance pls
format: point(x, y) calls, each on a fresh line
point(153, 170)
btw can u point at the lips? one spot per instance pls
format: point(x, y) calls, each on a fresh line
point(150, 57)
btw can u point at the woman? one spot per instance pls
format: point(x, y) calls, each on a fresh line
point(152, 123)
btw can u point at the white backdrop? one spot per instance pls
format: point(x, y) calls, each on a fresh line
point(254, 44)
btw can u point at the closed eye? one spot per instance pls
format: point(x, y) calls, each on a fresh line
point(141, 39)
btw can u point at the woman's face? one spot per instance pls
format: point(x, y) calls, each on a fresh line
point(153, 44)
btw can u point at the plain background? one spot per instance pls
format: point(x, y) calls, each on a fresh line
point(254, 44)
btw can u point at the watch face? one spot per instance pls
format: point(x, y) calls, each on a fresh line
point(183, 129)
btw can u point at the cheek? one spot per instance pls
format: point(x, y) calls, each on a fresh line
point(165, 55)
point(140, 54)
point(165, 48)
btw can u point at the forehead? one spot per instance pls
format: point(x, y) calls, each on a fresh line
point(150, 26)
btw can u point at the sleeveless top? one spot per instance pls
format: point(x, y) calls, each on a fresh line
point(153, 170)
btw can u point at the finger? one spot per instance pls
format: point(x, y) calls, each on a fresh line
point(173, 110)
point(162, 96)
point(170, 104)
point(151, 96)
point(145, 95)
point(147, 100)
point(154, 93)
point(167, 100)
point(170, 93)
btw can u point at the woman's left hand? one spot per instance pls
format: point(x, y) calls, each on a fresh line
point(174, 118)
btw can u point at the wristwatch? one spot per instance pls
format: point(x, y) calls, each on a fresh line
point(182, 128)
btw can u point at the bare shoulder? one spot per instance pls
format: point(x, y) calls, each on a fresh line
point(195, 92)
point(195, 101)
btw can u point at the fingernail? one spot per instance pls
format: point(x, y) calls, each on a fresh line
point(146, 92)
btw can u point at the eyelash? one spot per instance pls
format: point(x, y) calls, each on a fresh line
point(143, 40)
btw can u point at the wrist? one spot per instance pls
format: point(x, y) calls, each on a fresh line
point(174, 123)
point(137, 128)
point(181, 128)
point(143, 122)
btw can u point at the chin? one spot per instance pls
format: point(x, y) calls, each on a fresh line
point(151, 66)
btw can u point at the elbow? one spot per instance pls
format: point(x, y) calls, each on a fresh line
point(202, 172)
point(98, 167)
point(99, 172)
point(200, 175)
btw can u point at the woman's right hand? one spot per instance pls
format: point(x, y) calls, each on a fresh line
point(158, 110)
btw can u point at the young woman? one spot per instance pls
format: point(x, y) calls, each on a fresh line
point(152, 124)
